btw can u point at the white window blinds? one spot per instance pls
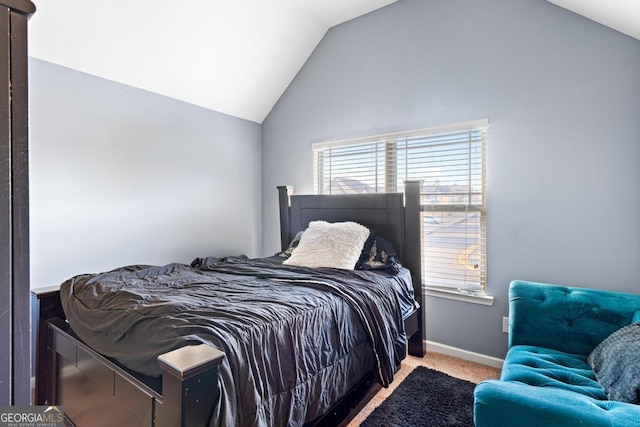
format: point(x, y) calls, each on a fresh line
point(450, 162)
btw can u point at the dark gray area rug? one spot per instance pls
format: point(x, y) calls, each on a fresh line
point(426, 398)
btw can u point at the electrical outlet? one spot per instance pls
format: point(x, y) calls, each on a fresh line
point(505, 325)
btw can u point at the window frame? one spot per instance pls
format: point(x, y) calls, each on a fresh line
point(391, 183)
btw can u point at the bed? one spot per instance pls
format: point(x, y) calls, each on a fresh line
point(279, 343)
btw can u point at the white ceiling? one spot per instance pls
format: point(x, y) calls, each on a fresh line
point(622, 15)
point(232, 56)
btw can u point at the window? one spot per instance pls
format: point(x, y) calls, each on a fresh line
point(450, 162)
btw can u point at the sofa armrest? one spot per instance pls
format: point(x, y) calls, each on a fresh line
point(506, 404)
point(570, 319)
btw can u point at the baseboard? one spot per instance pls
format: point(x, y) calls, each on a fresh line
point(464, 354)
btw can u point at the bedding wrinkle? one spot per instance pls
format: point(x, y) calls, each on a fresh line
point(294, 338)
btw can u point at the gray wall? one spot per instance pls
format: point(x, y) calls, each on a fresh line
point(122, 176)
point(562, 95)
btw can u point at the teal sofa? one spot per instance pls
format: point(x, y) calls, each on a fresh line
point(546, 379)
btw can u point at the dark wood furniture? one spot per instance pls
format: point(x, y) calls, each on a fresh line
point(15, 352)
point(92, 388)
point(395, 216)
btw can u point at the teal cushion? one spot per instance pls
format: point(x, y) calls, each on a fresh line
point(543, 367)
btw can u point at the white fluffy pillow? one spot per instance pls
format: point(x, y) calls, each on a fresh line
point(324, 244)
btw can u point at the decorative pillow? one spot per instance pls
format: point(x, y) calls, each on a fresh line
point(616, 363)
point(366, 249)
point(294, 244)
point(378, 254)
point(324, 244)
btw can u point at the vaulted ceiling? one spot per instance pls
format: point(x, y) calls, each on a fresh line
point(232, 56)
point(622, 15)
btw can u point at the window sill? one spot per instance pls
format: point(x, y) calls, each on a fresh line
point(459, 296)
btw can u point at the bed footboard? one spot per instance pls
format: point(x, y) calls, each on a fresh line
point(96, 391)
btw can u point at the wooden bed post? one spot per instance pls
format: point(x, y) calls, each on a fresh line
point(412, 253)
point(284, 192)
point(189, 386)
point(45, 305)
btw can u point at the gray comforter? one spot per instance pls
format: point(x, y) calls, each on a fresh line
point(295, 339)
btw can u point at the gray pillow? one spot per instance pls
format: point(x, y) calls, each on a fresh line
point(616, 363)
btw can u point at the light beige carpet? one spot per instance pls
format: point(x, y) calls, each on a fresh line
point(453, 366)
